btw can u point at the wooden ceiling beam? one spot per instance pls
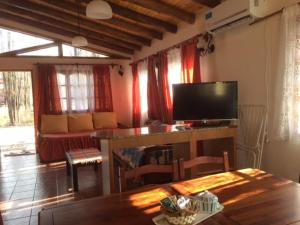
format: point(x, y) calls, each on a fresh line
point(141, 18)
point(208, 3)
point(60, 31)
point(161, 7)
point(65, 25)
point(57, 14)
point(73, 8)
point(29, 49)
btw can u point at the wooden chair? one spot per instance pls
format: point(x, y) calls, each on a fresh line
point(1, 220)
point(136, 173)
point(183, 165)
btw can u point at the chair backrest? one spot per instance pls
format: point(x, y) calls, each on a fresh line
point(1, 220)
point(147, 169)
point(251, 124)
point(183, 165)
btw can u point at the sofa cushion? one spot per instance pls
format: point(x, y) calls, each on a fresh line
point(105, 120)
point(80, 122)
point(54, 124)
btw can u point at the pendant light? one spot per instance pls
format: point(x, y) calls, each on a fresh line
point(99, 9)
point(79, 41)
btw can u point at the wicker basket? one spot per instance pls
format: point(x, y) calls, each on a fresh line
point(184, 217)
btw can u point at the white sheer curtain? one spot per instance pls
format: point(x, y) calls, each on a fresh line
point(143, 82)
point(287, 106)
point(76, 87)
point(174, 68)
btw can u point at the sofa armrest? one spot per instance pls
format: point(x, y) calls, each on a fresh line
point(123, 126)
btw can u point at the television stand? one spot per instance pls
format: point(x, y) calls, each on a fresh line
point(207, 124)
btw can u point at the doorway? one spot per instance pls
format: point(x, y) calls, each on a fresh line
point(16, 114)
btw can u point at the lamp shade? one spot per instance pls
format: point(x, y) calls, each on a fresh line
point(79, 41)
point(98, 9)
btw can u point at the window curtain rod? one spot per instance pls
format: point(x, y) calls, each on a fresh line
point(166, 49)
point(78, 64)
point(268, 16)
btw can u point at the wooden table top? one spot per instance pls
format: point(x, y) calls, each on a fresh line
point(83, 156)
point(249, 196)
point(146, 131)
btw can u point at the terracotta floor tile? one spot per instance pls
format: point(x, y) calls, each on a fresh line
point(34, 220)
point(26, 182)
point(16, 213)
point(27, 177)
point(26, 187)
point(6, 190)
point(22, 188)
point(8, 184)
point(5, 196)
point(22, 195)
point(23, 203)
point(21, 221)
point(44, 195)
point(35, 210)
point(9, 179)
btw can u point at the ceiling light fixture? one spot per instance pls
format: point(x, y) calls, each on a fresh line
point(79, 41)
point(99, 9)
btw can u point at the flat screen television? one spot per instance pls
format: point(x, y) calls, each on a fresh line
point(205, 101)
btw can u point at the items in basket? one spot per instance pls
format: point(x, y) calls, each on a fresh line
point(179, 210)
point(183, 210)
point(208, 202)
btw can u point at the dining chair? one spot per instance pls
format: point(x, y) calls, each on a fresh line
point(204, 160)
point(138, 172)
point(1, 220)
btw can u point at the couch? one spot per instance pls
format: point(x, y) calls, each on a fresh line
point(61, 133)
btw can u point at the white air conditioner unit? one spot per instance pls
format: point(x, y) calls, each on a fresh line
point(232, 13)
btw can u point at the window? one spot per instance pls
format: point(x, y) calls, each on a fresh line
point(53, 51)
point(77, 52)
point(11, 41)
point(174, 68)
point(76, 88)
point(143, 83)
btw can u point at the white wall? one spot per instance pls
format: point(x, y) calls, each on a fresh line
point(249, 55)
point(120, 85)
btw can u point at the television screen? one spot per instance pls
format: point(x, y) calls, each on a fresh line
point(205, 101)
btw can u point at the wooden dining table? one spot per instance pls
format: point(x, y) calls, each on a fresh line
point(249, 197)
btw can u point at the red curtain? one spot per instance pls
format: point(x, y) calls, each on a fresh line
point(136, 102)
point(102, 89)
point(154, 110)
point(163, 84)
point(190, 62)
point(46, 95)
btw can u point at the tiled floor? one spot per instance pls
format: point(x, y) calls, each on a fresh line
point(26, 186)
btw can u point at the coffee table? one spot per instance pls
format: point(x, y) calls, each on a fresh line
point(79, 158)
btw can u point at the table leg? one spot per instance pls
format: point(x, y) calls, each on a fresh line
point(96, 166)
point(193, 155)
point(74, 177)
point(234, 150)
point(68, 167)
point(108, 181)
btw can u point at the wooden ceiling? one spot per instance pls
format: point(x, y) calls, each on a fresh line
point(135, 23)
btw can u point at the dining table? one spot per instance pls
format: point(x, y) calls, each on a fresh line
point(249, 196)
